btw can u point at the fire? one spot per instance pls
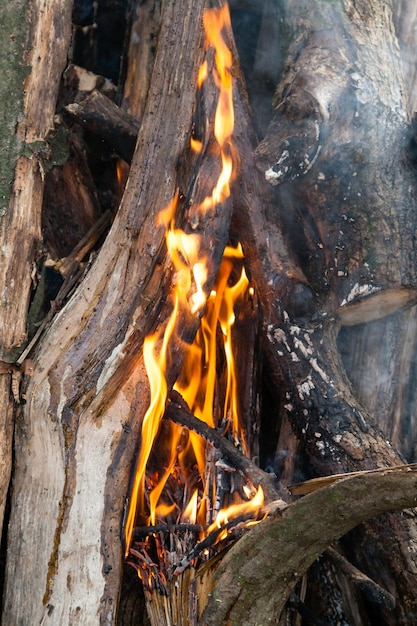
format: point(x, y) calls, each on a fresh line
point(214, 22)
point(197, 382)
point(187, 466)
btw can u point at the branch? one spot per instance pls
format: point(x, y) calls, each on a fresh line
point(373, 592)
point(285, 545)
point(177, 411)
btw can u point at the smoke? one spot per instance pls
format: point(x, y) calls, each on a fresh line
point(258, 29)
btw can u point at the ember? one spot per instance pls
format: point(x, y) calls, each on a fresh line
point(185, 497)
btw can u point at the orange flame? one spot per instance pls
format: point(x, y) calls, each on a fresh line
point(190, 512)
point(234, 510)
point(197, 381)
point(215, 20)
point(196, 145)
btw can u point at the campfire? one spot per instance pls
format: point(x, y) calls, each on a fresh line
point(187, 503)
point(207, 296)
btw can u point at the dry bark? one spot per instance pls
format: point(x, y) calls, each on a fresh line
point(34, 47)
point(89, 392)
point(405, 19)
point(320, 152)
point(146, 17)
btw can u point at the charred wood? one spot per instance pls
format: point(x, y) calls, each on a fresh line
point(70, 204)
point(373, 592)
point(308, 616)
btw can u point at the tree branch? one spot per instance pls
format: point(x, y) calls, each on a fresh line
point(177, 411)
point(285, 545)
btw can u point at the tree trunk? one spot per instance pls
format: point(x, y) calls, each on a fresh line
point(324, 208)
point(98, 337)
point(337, 159)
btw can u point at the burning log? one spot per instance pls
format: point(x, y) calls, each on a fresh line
point(90, 404)
point(117, 304)
point(322, 395)
point(298, 544)
point(158, 578)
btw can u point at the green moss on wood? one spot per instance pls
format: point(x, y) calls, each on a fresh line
point(13, 71)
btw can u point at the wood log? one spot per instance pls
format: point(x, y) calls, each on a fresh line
point(298, 544)
point(78, 429)
point(29, 66)
point(334, 429)
point(101, 116)
point(89, 369)
point(144, 31)
point(70, 202)
point(373, 591)
point(405, 19)
point(318, 204)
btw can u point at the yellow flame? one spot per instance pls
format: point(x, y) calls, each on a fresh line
point(155, 368)
point(159, 511)
point(202, 74)
point(214, 22)
point(191, 269)
point(190, 512)
point(166, 216)
point(196, 145)
point(251, 507)
point(198, 379)
point(197, 382)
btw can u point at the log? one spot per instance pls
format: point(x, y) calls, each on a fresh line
point(89, 392)
point(101, 116)
point(237, 598)
point(144, 31)
point(301, 305)
point(405, 19)
point(70, 200)
point(97, 338)
point(32, 64)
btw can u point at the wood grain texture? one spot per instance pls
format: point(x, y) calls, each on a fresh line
point(89, 374)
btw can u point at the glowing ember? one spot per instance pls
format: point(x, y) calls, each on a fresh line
point(189, 488)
